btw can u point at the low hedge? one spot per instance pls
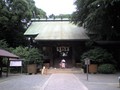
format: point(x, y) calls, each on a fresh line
point(106, 69)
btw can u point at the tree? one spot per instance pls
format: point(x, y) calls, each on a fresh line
point(40, 13)
point(4, 45)
point(11, 14)
point(63, 16)
point(30, 55)
point(14, 15)
point(100, 17)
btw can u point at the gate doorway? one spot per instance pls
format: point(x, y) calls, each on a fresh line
point(62, 52)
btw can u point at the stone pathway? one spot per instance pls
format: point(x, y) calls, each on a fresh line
point(63, 82)
point(60, 81)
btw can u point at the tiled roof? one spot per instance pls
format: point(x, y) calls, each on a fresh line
point(56, 30)
point(4, 53)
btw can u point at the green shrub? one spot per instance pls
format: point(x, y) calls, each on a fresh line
point(98, 55)
point(106, 69)
point(31, 55)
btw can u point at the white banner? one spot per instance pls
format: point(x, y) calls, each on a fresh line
point(15, 63)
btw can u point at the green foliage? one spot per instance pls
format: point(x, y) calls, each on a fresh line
point(52, 16)
point(31, 55)
point(3, 45)
point(12, 12)
point(100, 17)
point(63, 16)
point(22, 52)
point(35, 55)
point(106, 69)
point(98, 55)
point(10, 22)
point(40, 13)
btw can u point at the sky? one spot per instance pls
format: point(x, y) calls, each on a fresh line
point(56, 7)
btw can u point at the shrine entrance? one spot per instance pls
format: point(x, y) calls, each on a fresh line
point(54, 52)
point(58, 40)
point(62, 52)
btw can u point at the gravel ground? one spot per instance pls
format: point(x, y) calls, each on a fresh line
point(23, 82)
point(100, 81)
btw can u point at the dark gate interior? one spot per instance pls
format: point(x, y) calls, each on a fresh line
point(58, 56)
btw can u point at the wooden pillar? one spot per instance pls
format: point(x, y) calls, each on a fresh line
point(52, 57)
point(73, 56)
point(0, 67)
point(7, 67)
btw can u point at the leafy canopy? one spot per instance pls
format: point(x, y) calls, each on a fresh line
point(100, 17)
point(14, 16)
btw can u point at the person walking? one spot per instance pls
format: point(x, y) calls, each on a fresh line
point(62, 63)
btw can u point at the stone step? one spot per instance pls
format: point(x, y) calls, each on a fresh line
point(67, 70)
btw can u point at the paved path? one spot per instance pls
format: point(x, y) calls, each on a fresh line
point(60, 82)
point(64, 82)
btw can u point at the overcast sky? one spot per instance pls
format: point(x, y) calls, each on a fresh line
point(56, 6)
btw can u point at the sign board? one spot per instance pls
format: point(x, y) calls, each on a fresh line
point(15, 63)
point(87, 61)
